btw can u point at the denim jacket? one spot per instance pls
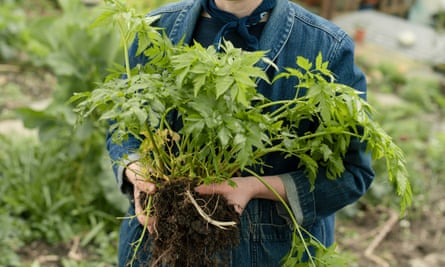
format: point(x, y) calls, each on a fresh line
point(290, 31)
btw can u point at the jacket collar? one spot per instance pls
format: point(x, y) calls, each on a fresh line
point(277, 30)
point(275, 34)
point(185, 22)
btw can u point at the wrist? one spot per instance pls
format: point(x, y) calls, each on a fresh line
point(256, 189)
point(250, 186)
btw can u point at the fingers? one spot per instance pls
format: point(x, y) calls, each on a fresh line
point(206, 189)
point(234, 195)
point(140, 212)
point(142, 187)
point(133, 173)
point(238, 208)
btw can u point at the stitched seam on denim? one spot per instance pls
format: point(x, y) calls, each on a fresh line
point(172, 8)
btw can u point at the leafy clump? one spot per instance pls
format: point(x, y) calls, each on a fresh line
point(200, 118)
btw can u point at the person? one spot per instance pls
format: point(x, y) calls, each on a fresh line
point(285, 30)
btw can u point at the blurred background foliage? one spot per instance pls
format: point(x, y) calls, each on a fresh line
point(57, 191)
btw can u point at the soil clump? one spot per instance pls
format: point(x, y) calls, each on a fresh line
point(182, 237)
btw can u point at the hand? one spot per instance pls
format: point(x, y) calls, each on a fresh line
point(247, 188)
point(133, 173)
point(237, 196)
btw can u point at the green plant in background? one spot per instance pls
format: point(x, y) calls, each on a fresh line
point(11, 234)
point(78, 57)
point(434, 155)
point(46, 199)
point(58, 187)
point(75, 53)
point(147, 5)
point(12, 28)
point(424, 93)
point(228, 125)
point(393, 79)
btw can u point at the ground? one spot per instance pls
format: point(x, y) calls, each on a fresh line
point(379, 237)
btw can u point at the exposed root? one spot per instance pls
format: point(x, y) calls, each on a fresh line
point(206, 217)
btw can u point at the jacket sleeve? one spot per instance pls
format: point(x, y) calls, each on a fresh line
point(121, 155)
point(331, 195)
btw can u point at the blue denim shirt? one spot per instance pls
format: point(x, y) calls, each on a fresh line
point(290, 31)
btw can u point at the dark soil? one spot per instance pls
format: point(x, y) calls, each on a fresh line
point(182, 237)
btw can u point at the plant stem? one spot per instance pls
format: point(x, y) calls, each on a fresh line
point(125, 48)
point(137, 244)
point(309, 136)
point(283, 104)
point(297, 227)
point(157, 154)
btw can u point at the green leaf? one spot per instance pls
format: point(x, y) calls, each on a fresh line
point(304, 63)
point(222, 85)
point(224, 136)
point(198, 82)
point(311, 168)
point(319, 62)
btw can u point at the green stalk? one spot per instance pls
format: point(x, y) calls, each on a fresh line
point(156, 151)
point(291, 215)
point(137, 244)
point(125, 44)
point(309, 136)
point(282, 103)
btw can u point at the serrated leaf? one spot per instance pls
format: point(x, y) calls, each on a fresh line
point(319, 62)
point(222, 85)
point(198, 83)
point(224, 136)
point(304, 63)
